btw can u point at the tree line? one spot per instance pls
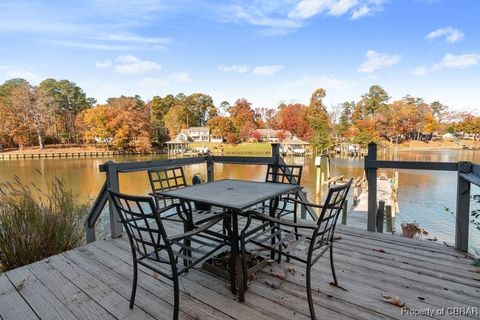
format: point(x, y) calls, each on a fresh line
point(59, 112)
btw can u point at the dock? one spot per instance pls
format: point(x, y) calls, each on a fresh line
point(94, 282)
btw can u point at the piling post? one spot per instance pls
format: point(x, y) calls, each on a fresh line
point(210, 169)
point(388, 218)
point(372, 186)
point(345, 212)
point(380, 215)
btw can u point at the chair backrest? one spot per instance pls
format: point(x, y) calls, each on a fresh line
point(284, 173)
point(332, 207)
point(165, 179)
point(142, 224)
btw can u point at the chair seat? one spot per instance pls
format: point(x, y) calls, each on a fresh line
point(287, 241)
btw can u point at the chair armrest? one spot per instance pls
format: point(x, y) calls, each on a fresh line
point(284, 222)
point(196, 231)
point(309, 203)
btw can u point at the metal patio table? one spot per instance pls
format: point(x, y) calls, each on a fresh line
point(235, 196)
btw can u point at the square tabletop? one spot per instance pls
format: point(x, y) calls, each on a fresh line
point(232, 194)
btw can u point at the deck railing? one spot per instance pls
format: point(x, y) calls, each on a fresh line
point(467, 173)
point(112, 170)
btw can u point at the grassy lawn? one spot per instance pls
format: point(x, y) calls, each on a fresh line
point(245, 147)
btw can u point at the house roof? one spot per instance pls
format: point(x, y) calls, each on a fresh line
point(204, 129)
point(295, 140)
point(265, 132)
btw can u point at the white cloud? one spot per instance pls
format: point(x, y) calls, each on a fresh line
point(107, 63)
point(268, 70)
point(131, 65)
point(283, 16)
point(355, 8)
point(461, 61)
point(450, 61)
point(9, 72)
point(234, 68)
point(450, 34)
point(376, 60)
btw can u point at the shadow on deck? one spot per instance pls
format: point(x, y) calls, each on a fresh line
point(94, 282)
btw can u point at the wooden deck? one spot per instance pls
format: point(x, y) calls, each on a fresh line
point(94, 282)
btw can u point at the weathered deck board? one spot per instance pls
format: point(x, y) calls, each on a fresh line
point(12, 305)
point(94, 282)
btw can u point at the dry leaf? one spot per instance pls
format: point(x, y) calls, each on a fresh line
point(155, 275)
point(271, 284)
point(379, 250)
point(475, 271)
point(279, 275)
point(21, 285)
point(337, 238)
point(292, 270)
point(394, 300)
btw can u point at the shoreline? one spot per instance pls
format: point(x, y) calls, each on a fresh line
point(249, 147)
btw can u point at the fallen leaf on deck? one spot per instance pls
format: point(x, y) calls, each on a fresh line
point(291, 270)
point(394, 300)
point(421, 298)
point(337, 238)
point(271, 285)
point(379, 250)
point(21, 285)
point(279, 275)
point(475, 271)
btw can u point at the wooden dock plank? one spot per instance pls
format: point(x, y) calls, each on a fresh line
point(94, 282)
point(37, 295)
point(151, 295)
point(106, 297)
point(67, 293)
point(12, 305)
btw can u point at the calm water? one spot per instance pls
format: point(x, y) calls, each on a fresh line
point(423, 195)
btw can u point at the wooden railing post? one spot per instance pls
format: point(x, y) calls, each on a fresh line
point(372, 186)
point(210, 169)
point(276, 152)
point(90, 234)
point(463, 208)
point(113, 184)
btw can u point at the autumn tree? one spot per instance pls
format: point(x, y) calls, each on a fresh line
point(159, 108)
point(293, 118)
point(319, 120)
point(70, 100)
point(223, 127)
point(124, 122)
point(242, 117)
point(345, 121)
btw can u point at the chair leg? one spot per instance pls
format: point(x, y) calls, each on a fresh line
point(332, 266)
point(244, 261)
point(134, 284)
point(309, 293)
point(176, 298)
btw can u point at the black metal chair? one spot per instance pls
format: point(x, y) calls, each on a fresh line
point(291, 174)
point(153, 248)
point(282, 238)
point(165, 179)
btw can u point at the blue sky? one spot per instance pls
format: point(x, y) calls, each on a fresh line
point(265, 51)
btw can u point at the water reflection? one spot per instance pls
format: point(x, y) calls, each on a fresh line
point(423, 195)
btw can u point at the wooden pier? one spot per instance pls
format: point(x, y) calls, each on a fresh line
point(94, 282)
point(65, 155)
